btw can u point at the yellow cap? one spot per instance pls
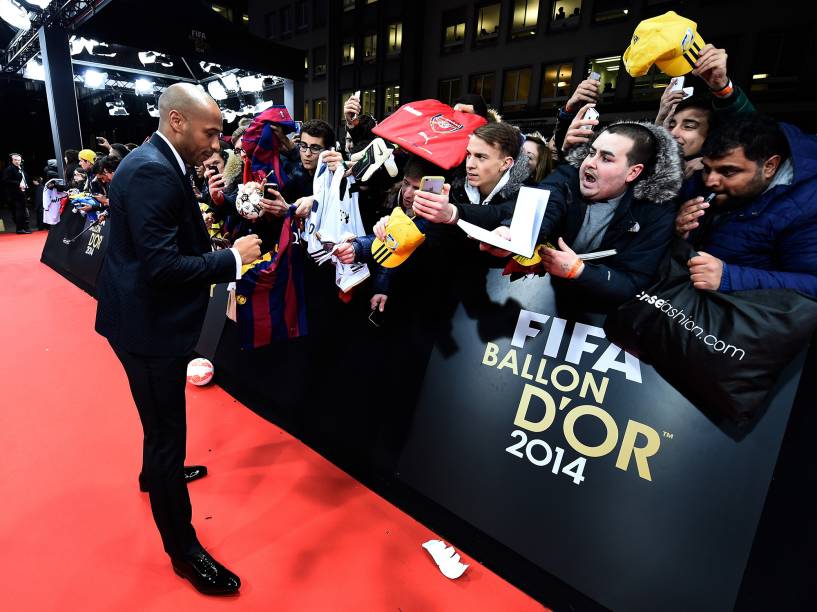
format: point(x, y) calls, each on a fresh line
point(669, 41)
point(87, 155)
point(402, 237)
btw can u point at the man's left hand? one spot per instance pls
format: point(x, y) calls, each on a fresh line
point(711, 67)
point(705, 271)
point(562, 261)
point(435, 207)
point(276, 206)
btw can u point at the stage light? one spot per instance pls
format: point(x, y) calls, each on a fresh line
point(210, 66)
point(251, 83)
point(117, 108)
point(34, 70)
point(143, 87)
point(217, 90)
point(230, 82)
point(263, 105)
point(94, 79)
point(15, 15)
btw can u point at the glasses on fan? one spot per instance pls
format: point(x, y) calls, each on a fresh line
point(313, 148)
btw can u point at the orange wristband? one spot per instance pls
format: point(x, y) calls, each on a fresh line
point(724, 92)
point(573, 270)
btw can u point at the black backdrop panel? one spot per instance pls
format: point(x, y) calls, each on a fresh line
point(671, 531)
point(81, 260)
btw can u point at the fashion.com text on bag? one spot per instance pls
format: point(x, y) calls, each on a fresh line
point(689, 325)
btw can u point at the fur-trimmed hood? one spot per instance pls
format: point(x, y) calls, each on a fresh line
point(660, 184)
point(517, 175)
point(233, 169)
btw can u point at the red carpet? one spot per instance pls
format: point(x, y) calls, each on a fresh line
point(76, 534)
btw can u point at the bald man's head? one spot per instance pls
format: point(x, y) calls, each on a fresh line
point(191, 120)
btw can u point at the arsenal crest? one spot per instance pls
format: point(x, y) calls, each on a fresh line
point(443, 125)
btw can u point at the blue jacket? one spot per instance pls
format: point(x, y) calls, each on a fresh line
point(772, 242)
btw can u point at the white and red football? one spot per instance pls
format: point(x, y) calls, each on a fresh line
point(199, 372)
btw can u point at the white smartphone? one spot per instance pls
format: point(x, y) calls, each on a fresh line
point(595, 76)
point(591, 113)
point(678, 83)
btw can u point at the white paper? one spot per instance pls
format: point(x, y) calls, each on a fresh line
point(531, 204)
point(446, 559)
point(678, 83)
point(596, 254)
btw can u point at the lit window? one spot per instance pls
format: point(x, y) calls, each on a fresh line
point(225, 12)
point(321, 109)
point(395, 40)
point(369, 47)
point(525, 16)
point(453, 29)
point(556, 81)
point(368, 100)
point(651, 85)
point(566, 14)
point(392, 99)
point(607, 68)
point(307, 108)
point(488, 21)
point(516, 90)
point(348, 53)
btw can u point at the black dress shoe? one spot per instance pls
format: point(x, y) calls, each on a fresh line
point(191, 473)
point(207, 575)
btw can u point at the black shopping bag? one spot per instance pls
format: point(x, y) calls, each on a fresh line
point(722, 351)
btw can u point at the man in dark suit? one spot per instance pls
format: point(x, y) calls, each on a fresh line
point(153, 293)
point(17, 186)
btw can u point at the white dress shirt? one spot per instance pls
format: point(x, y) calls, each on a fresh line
point(184, 171)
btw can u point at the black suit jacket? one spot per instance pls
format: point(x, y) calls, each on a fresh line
point(154, 284)
point(12, 176)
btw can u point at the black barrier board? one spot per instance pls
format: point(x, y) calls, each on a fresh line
point(571, 452)
point(75, 249)
point(213, 321)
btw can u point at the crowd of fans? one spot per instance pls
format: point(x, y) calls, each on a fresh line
point(709, 169)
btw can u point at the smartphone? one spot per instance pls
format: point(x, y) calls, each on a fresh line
point(298, 125)
point(678, 85)
point(688, 91)
point(213, 168)
point(595, 76)
point(591, 113)
point(432, 184)
point(268, 189)
point(376, 317)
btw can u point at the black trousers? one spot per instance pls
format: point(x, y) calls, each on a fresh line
point(157, 385)
point(20, 220)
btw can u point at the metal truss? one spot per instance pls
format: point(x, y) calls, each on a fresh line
point(68, 14)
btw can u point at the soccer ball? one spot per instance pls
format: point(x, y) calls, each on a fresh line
point(248, 201)
point(199, 372)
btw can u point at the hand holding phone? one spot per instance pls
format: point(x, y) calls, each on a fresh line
point(678, 83)
point(271, 191)
point(432, 184)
